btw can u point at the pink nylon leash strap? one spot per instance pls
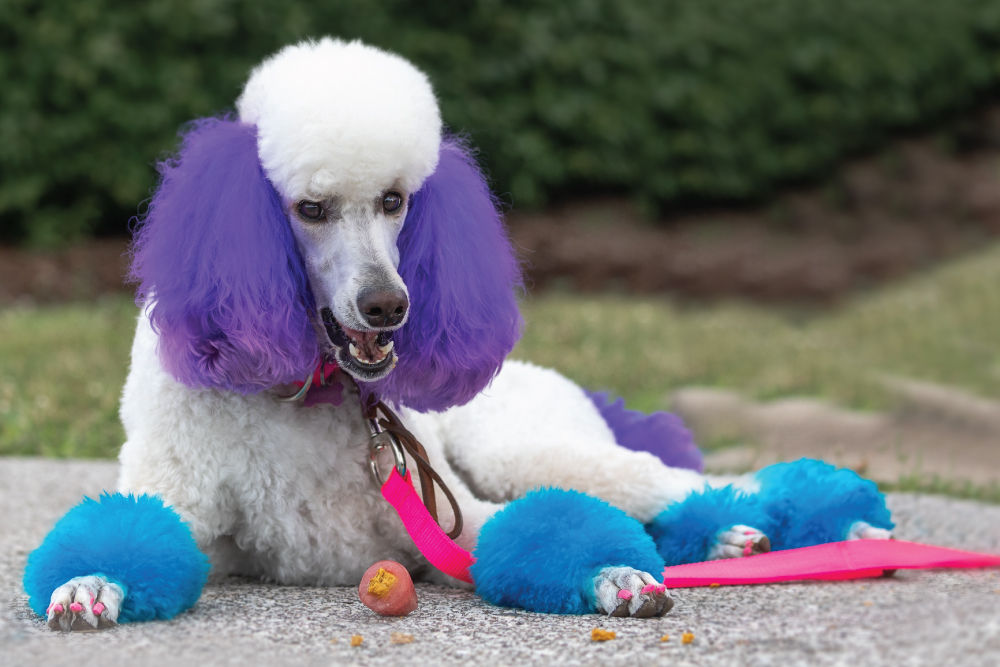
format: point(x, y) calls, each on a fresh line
point(832, 561)
point(440, 550)
point(418, 514)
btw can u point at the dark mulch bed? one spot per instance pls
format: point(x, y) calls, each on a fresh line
point(79, 272)
point(881, 217)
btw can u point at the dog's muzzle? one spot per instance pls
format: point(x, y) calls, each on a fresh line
point(365, 355)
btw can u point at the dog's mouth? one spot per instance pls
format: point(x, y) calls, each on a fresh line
point(365, 355)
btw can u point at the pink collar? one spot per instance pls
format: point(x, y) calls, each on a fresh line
point(323, 386)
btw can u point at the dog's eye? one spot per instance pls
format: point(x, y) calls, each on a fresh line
point(311, 210)
point(392, 201)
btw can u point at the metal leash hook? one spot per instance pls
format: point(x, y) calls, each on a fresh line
point(300, 394)
point(387, 432)
point(380, 441)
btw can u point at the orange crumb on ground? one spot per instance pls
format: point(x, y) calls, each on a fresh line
point(356, 640)
point(687, 638)
point(400, 638)
point(714, 585)
point(381, 583)
point(868, 603)
point(665, 638)
point(599, 635)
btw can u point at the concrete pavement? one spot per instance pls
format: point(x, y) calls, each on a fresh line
point(915, 618)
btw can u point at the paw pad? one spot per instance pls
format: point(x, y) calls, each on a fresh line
point(739, 542)
point(625, 591)
point(68, 610)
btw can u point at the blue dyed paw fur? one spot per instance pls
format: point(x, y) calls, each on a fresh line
point(565, 552)
point(710, 524)
point(797, 504)
point(811, 502)
point(113, 560)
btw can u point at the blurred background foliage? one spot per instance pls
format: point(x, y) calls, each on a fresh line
point(670, 102)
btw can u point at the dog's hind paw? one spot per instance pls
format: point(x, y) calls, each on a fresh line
point(738, 541)
point(625, 591)
point(85, 603)
point(862, 530)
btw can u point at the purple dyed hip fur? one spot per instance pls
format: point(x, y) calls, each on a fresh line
point(661, 433)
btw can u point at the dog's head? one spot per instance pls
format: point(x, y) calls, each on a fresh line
point(331, 219)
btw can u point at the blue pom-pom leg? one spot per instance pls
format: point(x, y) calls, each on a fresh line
point(796, 504)
point(565, 552)
point(115, 560)
point(713, 523)
point(810, 502)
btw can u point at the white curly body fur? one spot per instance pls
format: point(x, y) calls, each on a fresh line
point(283, 491)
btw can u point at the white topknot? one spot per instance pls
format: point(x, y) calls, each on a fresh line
point(341, 117)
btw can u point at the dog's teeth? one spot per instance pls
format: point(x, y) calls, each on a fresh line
point(354, 351)
point(387, 348)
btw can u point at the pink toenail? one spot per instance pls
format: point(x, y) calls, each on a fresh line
point(98, 609)
point(648, 588)
point(625, 594)
point(76, 607)
point(748, 532)
point(58, 608)
point(748, 549)
point(662, 588)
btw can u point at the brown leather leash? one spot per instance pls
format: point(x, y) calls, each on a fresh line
point(383, 423)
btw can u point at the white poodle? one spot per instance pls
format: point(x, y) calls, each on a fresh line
point(331, 247)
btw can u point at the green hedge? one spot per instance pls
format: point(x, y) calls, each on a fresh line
point(669, 101)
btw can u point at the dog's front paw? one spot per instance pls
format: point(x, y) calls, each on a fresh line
point(625, 591)
point(85, 603)
point(738, 541)
point(862, 530)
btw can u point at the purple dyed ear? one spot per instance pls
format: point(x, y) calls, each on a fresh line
point(460, 270)
point(218, 268)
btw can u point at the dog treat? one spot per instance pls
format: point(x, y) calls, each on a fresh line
point(665, 638)
point(401, 638)
point(687, 638)
point(387, 589)
point(599, 635)
point(381, 583)
point(356, 640)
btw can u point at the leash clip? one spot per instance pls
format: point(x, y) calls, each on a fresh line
point(381, 441)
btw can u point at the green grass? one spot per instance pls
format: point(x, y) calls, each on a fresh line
point(989, 493)
point(62, 367)
point(942, 326)
point(61, 373)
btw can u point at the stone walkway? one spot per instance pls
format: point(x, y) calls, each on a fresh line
point(935, 434)
point(918, 618)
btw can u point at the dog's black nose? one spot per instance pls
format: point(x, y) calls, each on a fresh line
point(382, 307)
